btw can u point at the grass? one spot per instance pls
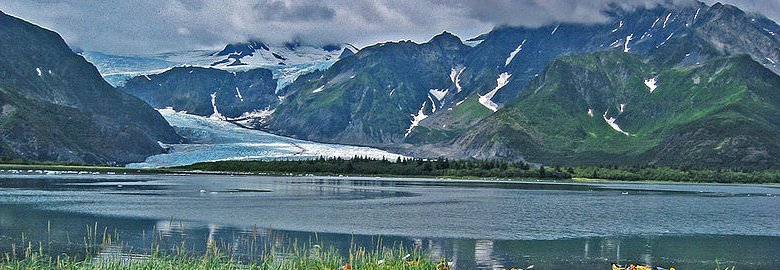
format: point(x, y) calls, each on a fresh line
point(159, 255)
point(314, 258)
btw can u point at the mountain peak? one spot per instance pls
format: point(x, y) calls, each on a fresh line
point(726, 8)
point(346, 53)
point(445, 38)
point(243, 48)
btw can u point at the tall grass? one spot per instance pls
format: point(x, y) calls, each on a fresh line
point(102, 250)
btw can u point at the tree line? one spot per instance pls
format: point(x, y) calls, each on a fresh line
point(651, 173)
point(357, 165)
point(488, 168)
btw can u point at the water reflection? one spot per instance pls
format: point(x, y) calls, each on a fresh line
point(137, 236)
point(475, 225)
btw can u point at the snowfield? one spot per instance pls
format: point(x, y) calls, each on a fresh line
point(416, 119)
point(611, 121)
point(216, 140)
point(118, 69)
point(486, 100)
point(651, 84)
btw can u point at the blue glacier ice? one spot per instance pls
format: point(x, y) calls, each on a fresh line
point(215, 140)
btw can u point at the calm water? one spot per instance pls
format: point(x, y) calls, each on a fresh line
point(478, 225)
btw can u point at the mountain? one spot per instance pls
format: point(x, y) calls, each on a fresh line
point(615, 108)
point(286, 61)
point(56, 107)
point(257, 53)
point(208, 91)
point(368, 98)
point(506, 93)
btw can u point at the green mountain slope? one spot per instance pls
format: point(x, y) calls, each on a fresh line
point(722, 113)
point(369, 98)
point(56, 107)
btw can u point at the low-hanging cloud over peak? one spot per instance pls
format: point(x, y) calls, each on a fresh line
point(148, 26)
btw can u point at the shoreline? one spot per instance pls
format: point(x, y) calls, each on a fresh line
point(92, 169)
point(585, 180)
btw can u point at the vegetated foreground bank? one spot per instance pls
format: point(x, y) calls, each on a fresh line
point(106, 254)
point(313, 258)
point(486, 169)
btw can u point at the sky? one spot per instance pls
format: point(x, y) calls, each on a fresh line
point(152, 26)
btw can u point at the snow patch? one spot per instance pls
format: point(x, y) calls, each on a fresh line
point(590, 112)
point(618, 28)
point(651, 84)
point(554, 30)
point(473, 43)
point(615, 44)
point(433, 104)
point(39, 71)
point(460, 102)
point(416, 119)
point(319, 89)
point(667, 19)
point(438, 93)
point(611, 122)
point(238, 95)
point(770, 60)
point(166, 110)
point(147, 77)
point(655, 22)
point(622, 108)
point(392, 92)
point(696, 15)
point(265, 113)
point(625, 46)
point(455, 77)
point(485, 100)
point(216, 114)
point(513, 53)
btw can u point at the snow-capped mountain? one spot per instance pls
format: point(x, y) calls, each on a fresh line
point(286, 61)
point(563, 93)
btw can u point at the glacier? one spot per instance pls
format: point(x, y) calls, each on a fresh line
point(216, 140)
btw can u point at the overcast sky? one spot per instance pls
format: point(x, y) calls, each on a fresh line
point(151, 26)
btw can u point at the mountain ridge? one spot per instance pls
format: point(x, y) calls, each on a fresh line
point(454, 91)
point(56, 107)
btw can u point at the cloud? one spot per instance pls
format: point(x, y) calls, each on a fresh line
point(148, 26)
point(535, 13)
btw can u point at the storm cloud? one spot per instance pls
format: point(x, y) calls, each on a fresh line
point(150, 26)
